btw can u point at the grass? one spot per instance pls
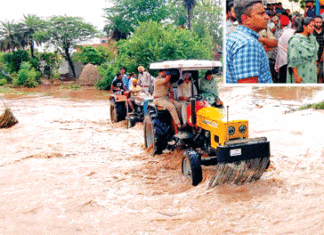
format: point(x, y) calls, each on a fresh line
point(9, 91)
point(71, 86)
point(319, 105)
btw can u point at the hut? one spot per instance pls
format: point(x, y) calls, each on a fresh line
point(89, 75)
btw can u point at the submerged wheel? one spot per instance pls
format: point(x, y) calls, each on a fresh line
point(149, 132)
point(191, 168)
point(113, 113)
point(131, 121)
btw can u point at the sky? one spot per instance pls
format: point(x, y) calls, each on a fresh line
point(91, 11)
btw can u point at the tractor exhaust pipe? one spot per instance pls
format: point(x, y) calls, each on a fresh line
point(193, 104)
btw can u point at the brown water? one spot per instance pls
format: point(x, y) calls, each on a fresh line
point(65, 169)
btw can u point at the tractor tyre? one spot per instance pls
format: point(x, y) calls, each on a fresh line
point(120, 111)
point(191, 168)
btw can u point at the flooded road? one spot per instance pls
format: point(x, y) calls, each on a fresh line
point(65, 169)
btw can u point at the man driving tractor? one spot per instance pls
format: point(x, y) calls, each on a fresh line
point(209, 89)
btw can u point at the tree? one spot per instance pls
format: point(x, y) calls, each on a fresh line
point(31, 24)
point(153, 42)
point(64, 32)
point(207, 21)
point(125, 15)
point(88, 55)
point(9, 36)
point(190, 5)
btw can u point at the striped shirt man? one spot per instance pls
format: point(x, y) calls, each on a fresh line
point(246, 57)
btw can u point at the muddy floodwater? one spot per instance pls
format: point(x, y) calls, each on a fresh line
point(66, 169)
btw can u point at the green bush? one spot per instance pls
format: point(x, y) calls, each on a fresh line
point(108, 76)
point(3, 81)
point(14, 60)
point(27, 76)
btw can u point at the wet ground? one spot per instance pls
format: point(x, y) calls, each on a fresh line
point(65, 169)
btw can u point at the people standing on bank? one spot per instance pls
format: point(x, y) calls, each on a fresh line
point(302, 54)
point(246, 59)
point(319, 34)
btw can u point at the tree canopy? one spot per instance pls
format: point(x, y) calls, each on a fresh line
point(125, 15)
point(153, 42)
point(65, 32)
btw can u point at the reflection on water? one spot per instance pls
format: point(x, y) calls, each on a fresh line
point(287, 93)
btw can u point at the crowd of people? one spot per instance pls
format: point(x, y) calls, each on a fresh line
point(271, 45)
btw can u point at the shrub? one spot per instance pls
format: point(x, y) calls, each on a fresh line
point(108, 76)
point(14, 60)
point(27, 76)
point(3, 81)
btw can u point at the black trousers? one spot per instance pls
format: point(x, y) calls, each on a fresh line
point(283, 74)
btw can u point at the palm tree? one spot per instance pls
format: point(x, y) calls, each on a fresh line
point(9, 36)
point(30, 25)
point(190, 5)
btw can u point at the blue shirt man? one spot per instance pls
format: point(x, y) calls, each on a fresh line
point(310, 9)
point(246, 59)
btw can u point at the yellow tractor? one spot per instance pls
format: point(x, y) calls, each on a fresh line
point(208, 139)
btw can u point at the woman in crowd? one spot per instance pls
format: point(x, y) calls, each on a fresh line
point(302, 54)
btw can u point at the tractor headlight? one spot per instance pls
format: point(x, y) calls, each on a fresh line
point(231, 130)
point(242, 129)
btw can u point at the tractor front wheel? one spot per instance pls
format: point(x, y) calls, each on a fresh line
point(191, 167)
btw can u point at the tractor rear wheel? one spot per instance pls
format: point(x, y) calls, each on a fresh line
point(191, 167)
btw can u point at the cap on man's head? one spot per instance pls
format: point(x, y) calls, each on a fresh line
point(245, 3)
point(134, 81)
